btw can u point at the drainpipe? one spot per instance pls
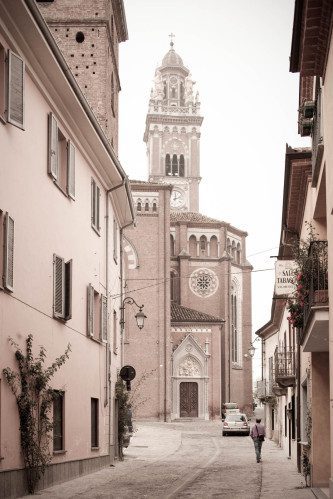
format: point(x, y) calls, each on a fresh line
point(108, 390)
point(298, 404)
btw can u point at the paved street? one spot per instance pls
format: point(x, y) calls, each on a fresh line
point(189, 460)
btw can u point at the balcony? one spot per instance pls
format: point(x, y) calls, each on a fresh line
point(265, 390)
point(284, 368)
point(317, 141)
point(315, 325)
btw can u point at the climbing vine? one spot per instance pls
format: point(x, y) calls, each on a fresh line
point(34, 398)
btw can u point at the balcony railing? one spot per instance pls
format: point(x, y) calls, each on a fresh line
point(317, 142)
point(318, 279)
point(284, 367)
point(265, 389)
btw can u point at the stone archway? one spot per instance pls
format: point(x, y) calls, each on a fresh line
point(189, 381)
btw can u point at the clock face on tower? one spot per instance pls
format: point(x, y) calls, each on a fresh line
point(177, 199)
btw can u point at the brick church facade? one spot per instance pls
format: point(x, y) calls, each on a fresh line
point(189, 270)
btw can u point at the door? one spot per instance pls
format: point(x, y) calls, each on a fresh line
point(188, 392)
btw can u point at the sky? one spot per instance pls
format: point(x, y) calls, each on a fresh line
point(238, 54)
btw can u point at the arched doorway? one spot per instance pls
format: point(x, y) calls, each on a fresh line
point(188, 399)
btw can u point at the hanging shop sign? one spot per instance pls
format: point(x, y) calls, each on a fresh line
point(285, 278)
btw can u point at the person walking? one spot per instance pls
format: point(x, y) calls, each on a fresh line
point(258, 436)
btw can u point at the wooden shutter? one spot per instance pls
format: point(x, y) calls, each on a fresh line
point(70, 170)
point(58, 286)
point(93, 203)
point(15, 102)
point(104, 318)
point(9, 253)
point(90, 311)
point(97, 207)
point(68, 290)
point(53, 156)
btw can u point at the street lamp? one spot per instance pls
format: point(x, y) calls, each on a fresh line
point(140, 316)
point(252, 349)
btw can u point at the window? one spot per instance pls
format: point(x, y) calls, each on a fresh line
point(58, 421)
point(95, 200)
point(174, 165)
point(203, 245)
point(146, 206)
point(214, 247)
point(6, 251)
point(234, 332)
point(181, 166)
point(61, 158)
point(62, 288)
point(193, 246)
point(167, 165)
point(2, 83)
point(172, 245)
point(94, 423)
point(97, 311)
point(154, 207)
point(139, 206)
point(115, 333)
point(115, 240)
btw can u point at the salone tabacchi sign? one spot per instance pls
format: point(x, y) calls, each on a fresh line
point(285, 277)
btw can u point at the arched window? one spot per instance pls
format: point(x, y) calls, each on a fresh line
point(167, 165)
point(182, 100)
point(174, 287)
point(174, 165)
point(154, 206)
point(193, 246)
point(213, 247)
point(233, 250)
point(203, 245)
point(172, 245)
point(238, 253)
point(181, 166)
point(139, 206)
point(228, 247)
point(164, 90)
point(234, 332)
point(146, 206)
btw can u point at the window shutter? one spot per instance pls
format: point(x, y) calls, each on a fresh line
point(15, 103)
point(90, 311)
point(9, 253)
point(93, 203)
point(70, 170)
point(115, 240)
point(104, 318)
point(97, 207)
point(58, 287)
point(53, 163)
point(68, 290)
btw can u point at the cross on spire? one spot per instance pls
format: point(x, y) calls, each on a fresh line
point(171, 36)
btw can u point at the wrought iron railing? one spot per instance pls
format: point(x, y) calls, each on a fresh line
point(317, 141)
point(284, 366)
point(318, 279)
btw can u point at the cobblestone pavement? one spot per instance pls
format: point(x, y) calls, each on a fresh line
point(189, 460)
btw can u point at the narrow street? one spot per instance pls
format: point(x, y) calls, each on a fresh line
point(189, 460)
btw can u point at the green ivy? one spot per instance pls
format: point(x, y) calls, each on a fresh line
point(34, 398)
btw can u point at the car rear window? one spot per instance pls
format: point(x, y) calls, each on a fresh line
point(236, 417)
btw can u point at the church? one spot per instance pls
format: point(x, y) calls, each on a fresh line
point(188, 270)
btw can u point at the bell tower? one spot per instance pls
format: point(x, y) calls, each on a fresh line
point(172, 132)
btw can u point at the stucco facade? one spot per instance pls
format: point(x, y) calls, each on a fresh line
point(61, 257)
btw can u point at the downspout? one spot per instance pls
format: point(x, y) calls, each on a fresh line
point(121, 269)
point(108, 390)
point(298, 406)
point(166, 305)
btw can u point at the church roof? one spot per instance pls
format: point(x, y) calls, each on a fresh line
point(191, 216)
point(185, 314)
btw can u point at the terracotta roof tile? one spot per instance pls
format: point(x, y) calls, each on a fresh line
point(191, 216)
point(185, 314)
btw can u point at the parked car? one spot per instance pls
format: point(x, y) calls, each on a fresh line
point(236, 424)
point(229, 408)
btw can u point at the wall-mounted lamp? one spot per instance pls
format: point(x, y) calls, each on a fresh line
point(252, 349)
point(140, 316)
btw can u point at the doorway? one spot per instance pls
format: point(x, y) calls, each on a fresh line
point(188, 399)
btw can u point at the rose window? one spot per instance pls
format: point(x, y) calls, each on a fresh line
point(204, 282)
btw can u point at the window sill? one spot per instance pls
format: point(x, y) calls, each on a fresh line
point(95, 448)
point(59, 452)
point(236, 366)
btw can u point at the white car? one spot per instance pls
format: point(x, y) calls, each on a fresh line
point(236, 424)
